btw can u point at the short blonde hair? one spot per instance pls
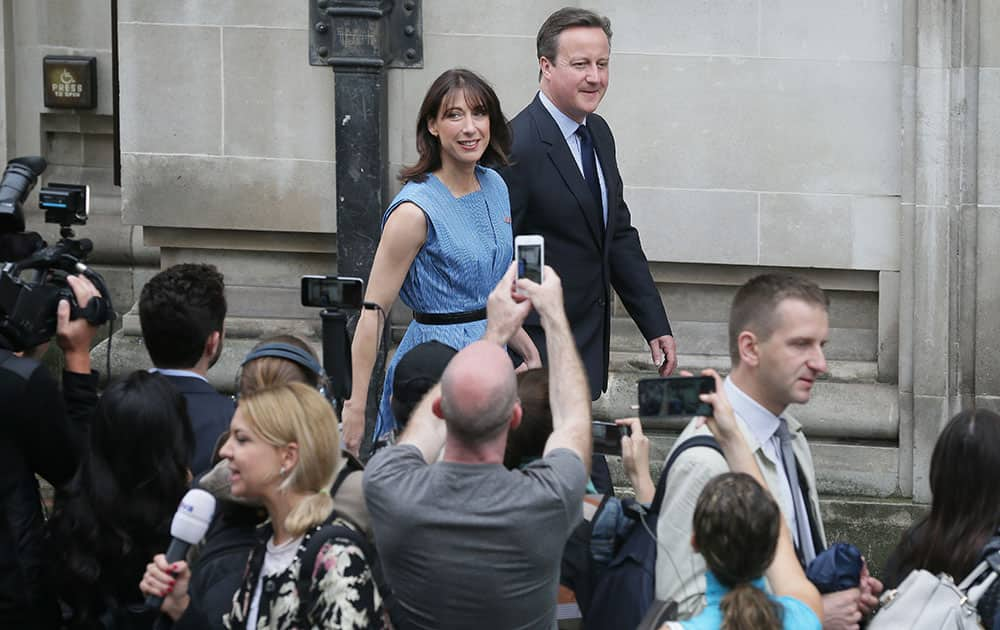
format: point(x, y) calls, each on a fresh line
point(295, 412)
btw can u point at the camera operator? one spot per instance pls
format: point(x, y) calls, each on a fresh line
point(41, 433)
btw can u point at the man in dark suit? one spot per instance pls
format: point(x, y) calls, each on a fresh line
point(564, 184)
point(182, 311)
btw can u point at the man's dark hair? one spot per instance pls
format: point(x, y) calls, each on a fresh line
point(547, 42)
point(756, 305)
point(178, 309)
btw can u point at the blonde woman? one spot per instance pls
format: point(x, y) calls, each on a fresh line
point(283, 449)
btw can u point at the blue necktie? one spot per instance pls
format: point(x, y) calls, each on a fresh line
point(806, 549)
point(590, 168)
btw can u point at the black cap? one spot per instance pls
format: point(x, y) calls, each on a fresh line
point(416, 373)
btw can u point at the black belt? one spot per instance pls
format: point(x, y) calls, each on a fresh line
point(441, 319)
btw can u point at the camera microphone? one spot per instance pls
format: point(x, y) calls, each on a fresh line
point(194, 515)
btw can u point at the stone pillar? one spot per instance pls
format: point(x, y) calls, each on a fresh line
point(938, 288)
point(987, 195)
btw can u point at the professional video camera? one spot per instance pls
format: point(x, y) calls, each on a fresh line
point(28, 306)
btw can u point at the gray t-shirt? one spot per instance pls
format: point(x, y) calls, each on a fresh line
point(473, 545)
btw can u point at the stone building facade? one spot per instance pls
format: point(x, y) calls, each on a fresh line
point(855, 142)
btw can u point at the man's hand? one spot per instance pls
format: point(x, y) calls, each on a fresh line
point(664, 351)
point(842, 610)
point(547, 297)
point(871, 588)
point(505, 311)
point(75, 336)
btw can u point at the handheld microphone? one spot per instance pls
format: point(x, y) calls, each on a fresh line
point(190, 523)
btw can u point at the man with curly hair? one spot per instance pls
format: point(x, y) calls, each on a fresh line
point(182, 311)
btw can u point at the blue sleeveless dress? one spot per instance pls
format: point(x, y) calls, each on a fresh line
point(468, 249)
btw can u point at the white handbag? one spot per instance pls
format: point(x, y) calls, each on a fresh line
point(934, 602)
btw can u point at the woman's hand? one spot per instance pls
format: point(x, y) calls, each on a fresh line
point(352, 428)
point(169, 581)
point(635, 459)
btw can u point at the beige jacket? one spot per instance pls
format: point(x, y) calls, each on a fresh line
point(680, 572)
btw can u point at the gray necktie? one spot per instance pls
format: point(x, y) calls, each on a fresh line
point(805, 547)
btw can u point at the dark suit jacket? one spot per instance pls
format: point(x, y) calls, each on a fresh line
point(549, 196)
point(210, 414)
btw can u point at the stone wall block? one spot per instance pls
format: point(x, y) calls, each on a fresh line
point(276, 104)
point(758, 124)
point(249, 268)
point(167, 106)
point(931, 342)
point(988, 183)
point(829, 231)
point(816, 29)
point(888, 326)
point(908, 131)
point(930, 413)
point(989, 26)
point(84, 25)
point(696, 226)
point(258, 194)
point(933, 134)
point(284, 14)
point(726, 27)
point(504, 17)
point(987, 304)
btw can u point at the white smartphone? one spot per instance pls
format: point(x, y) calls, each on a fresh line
point(529, 251)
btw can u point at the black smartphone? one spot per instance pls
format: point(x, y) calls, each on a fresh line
point(608, 437)
point(333, 292)
point(674, 396)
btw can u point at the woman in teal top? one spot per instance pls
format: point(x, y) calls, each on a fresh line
point(446, 239)
point(739, 530)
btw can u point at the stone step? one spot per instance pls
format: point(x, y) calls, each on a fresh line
point(712, 338)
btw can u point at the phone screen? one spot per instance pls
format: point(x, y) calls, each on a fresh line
point(608, 437)
point(674, 396)
point(332, 292)
point(529, 262)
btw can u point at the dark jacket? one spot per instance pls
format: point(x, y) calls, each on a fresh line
point(549, 196)
point(40, 434)
point(210, 414)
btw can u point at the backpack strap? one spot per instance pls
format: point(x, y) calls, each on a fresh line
point(351, 465)
point(691, 442)
point(331, 530)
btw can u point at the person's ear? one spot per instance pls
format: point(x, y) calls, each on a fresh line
point(516, 415)
point(289, 456)
point(749, 349)
point(436, 408)
point(432, 127)
point(544, 66)
point(213, 343)
point(694, 543)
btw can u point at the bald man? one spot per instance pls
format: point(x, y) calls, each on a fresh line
point(464, 542)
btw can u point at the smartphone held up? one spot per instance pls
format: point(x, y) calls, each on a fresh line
point(674, 396)
point(529, 252)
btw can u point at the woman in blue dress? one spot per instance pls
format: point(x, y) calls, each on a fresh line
point(446, 239)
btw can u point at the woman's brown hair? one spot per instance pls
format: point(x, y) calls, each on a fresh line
point(736, 525)
point(478, 93)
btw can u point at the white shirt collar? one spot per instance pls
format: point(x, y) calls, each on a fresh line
point(761, 422)
point(170, 372)
point(567, 125)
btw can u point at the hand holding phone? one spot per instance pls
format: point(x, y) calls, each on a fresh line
point(674, 396)
point(529, 252)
